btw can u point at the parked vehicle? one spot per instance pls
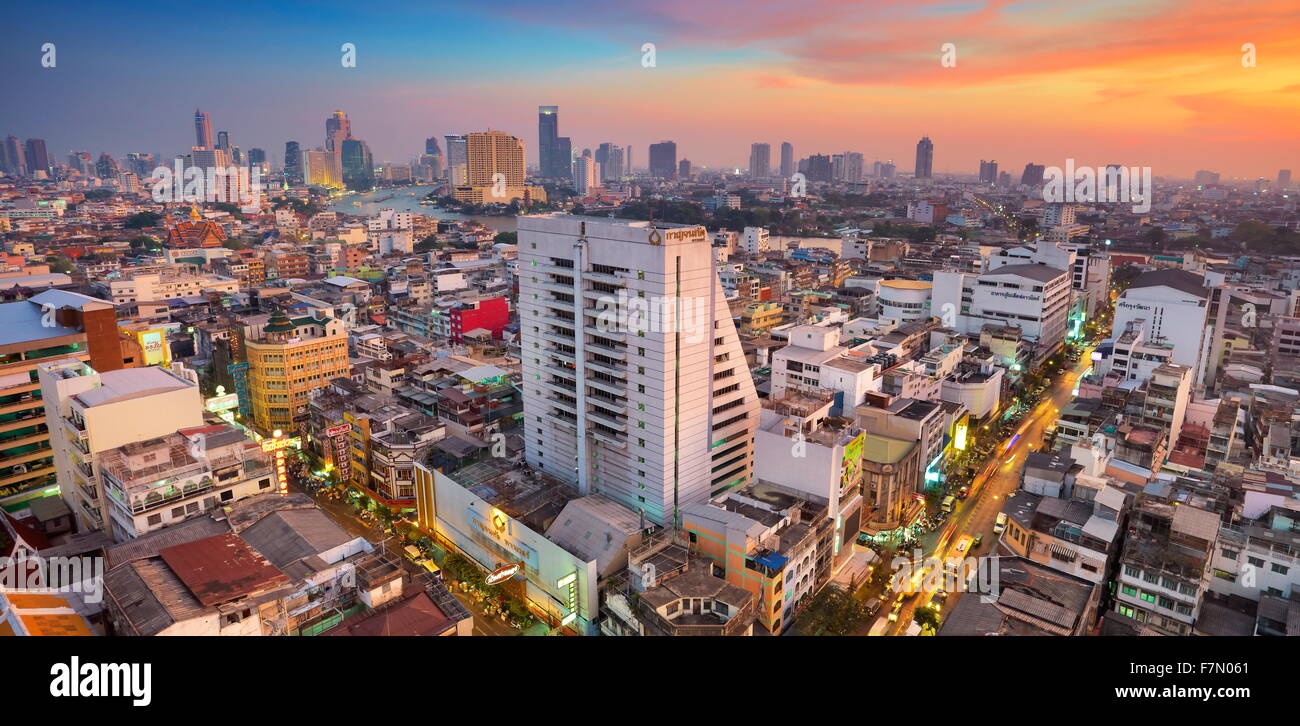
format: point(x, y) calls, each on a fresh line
point(1001, 524)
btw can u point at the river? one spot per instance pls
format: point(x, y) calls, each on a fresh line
point(407, 199)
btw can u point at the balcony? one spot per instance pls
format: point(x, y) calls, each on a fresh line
point(618, 388)
point(614, 422)
point(606, 351)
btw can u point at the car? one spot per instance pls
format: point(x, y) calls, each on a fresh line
point(963, 493)
point(979, 540)
point(893, 614)
point(1001, 523)
point(873, 606)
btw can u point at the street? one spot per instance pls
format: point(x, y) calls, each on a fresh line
point(1000, 477)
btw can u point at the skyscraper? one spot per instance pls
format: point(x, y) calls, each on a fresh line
point(655, 411)
point(548, 130)
point(15, 156)
point(924, 158)
point(293, 162)
point(431, 146)
point(614, 167)
point(663, 160)
point(457, 159)
point(223, 140)
point(1033, 174)
point(337, 128)
point(494, 152)
point(256, 156)
point(854, 167)
point(358, 166)
point(562, 157)
point(37, 158)
point(106, 167)
point(1283, 179)
point(819, 168)
point(684, 169)
point(586, 173)
point(760, 160)
point(202, 130)
point(988, 172)
point(787, 159)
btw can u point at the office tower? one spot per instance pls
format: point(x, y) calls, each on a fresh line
point(548, 130)
point(627, 159)
point(1033, 174)
point(819, 168)
point(636, 387)
point(80, 160)
point(256, 156)
point(760, 160)
point(586, 173)
point(887, 170)
point(431, 146)
point(616, 167)
point(853, 164)
point(337, 128)
point(610, 159)
point(202, 130)
point(292, 162)
point(924, 158)
point(140, 163)
point(1206, 178)
point(663, 160)
point(106, 167)
point(684, 169)
point(322, 168)
point(223, 140)
point(37, 158)
point(277, 352)
point(86, 329)
point(988, 172)
point(90, 412)
point(1284, 179)
point(562, 157)
point(787, 159)
point(457, 159)
point(494, 152)
point(4, 160)
point(358, 166)
point(16, 157)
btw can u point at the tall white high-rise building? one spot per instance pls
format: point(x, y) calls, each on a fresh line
point(636, 386)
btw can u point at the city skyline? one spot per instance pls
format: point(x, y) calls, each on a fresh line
point(1175, 101)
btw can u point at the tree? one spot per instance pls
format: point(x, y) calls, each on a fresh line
point(99, 194)
point(59, 264)
point(237, 243)
point(832, 611)
point(142, 220)
point(428, 243)
point(927, 618)
point(232, 209)
point(506, 238)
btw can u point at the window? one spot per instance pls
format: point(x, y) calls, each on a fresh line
point(1279, 569)
point(1129, 590)
point(1257, 562)
point(154, 520)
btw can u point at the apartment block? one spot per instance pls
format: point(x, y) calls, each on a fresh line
point(635, 382)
